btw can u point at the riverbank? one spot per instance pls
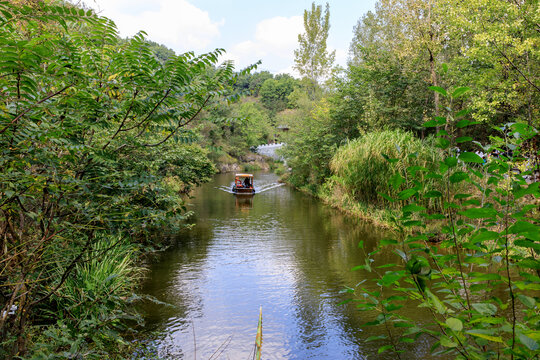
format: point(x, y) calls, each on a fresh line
point(342, 202)
point(247, 162)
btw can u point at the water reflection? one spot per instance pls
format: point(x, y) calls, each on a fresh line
point(280, 249)
point(244, 202)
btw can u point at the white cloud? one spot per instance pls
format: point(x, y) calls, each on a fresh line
point(274, 42)
point(176, 23)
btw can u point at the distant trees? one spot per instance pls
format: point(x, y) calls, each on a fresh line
point(275, 92)
point(161, 52)
point(251, 83)
point(312, 58)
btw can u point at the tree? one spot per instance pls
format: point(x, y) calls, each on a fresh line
point(274, 92)
point(91, 130)
point(312, 59)
point(499, 54)
point(251, 83)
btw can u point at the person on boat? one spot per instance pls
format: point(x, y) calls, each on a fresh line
point(246, 182)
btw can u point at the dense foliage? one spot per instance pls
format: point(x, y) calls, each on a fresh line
point(478, 286)
point(361, 169)
point(404, 47)
point(391, 140)
point(94, 141)
point(101, 137)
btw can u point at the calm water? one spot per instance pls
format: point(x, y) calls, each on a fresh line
point(281, 250)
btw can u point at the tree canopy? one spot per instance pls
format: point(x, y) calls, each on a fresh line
point(312, 58)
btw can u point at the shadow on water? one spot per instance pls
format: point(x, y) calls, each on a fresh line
point(280, 249)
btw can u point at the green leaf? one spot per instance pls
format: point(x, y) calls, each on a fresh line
point(463, 139)
point(388, 242)
point(527, 301)
point(446, 342)
point(458, 176)
point(484, 236)
point(454, 324)
point(523, 227)
point(462, 113)
point(384, 348)
point(479, 213)
point(390, 277)
point(437, 121)
point(451, 161)
point(396, 180)
point(487, 320)
point(484, 277)
point(386, 197)
point(485, 308)
point(470, 157)
point(464, 123)
point(433, 194)
point(439, 306)
point(413, 208)
point(528, 342)
point(439, 89)
point(460, 91)
point(393, 307)
point(530, 264)
point(443, 143)
point(401, 254)
point(405, 194)
point(528, 244)
point(484, 336)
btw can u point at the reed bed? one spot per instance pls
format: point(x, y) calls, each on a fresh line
point(383, 163)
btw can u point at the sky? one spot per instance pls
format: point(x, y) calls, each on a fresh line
point(248, 30)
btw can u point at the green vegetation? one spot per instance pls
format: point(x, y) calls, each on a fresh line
point(361, 169)
point(479, 285)
point(98, 146)
point(397, 53)
point(312, 59)
point(101, 139)
point(393, 139)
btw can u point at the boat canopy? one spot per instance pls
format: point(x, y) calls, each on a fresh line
point(244, 175)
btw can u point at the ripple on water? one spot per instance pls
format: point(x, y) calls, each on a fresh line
point(283, 251)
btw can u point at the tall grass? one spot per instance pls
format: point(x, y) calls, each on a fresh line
point(93, 303)
point(362, 173)
point(108, 272)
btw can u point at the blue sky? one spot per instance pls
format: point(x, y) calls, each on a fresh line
point(247, 30)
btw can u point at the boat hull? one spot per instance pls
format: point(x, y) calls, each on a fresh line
point(243, 191)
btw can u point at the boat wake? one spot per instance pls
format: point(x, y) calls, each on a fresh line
point(267, 187)
point(225, 188)
point(258, 189)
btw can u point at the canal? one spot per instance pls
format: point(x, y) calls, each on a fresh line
point(282, 250)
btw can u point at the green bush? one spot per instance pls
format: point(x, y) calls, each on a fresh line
point(93, 303)
point(364, 165)
point(479, 286)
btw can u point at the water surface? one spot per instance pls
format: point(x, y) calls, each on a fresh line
point(280, 249)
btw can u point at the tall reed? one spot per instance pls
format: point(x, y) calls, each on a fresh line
point(362, 172)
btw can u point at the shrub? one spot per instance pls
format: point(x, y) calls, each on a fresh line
point(480, 285)
point(364, 165)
